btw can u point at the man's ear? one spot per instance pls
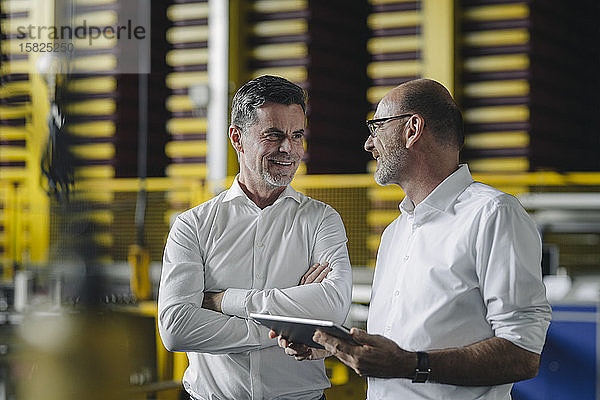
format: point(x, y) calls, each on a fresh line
point(235, 136)
point(414, 130)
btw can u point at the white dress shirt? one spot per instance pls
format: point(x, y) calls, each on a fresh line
point(258, 257)
point(462, 266)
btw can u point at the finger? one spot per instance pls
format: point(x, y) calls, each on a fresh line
point(323, 339)
point(290, 351)
point(310, 271)
point(299, 347)
point(272, 334)
point(312, 276)
point(361, 336)
point(322, 275)
point(282, 342)
point(335, 346)
point(303, 356)
point(315, 269)
point(331, 343)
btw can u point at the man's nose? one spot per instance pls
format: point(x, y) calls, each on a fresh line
point(285, 145)
point(369, 143)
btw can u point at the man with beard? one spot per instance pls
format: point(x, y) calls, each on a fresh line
point(458, 309)
point(248, 250)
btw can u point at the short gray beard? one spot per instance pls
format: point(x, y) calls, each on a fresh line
point(390, 167)
point(276, 181)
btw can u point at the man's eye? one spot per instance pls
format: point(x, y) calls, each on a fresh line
point(298, 136)
point(274, 136)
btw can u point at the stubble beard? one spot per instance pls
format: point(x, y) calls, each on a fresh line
point(390, 167)
point(276, 180)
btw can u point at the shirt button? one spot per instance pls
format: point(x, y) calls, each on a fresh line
point(396, 293)
point(259, 244)
point(405, 258)
point(258, 276)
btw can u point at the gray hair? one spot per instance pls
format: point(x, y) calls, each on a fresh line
point(264, 89)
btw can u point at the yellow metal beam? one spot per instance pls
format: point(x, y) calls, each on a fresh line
point(187, 11)
point(284, 27)
point(42, 14)
point(294, 74)
point(438, 41)
point(386, 69)
point(238, 57)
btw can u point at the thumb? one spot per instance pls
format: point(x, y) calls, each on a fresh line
point(360, 336)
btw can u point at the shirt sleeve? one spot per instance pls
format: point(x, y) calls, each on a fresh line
point(183, 324)
point(329, 299)
point(509, 270)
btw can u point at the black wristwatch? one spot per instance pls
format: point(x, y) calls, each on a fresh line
point(422, 371)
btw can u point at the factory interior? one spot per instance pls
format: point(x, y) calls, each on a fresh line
point(104, 140)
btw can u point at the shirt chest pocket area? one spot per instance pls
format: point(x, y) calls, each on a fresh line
point(276, 263)
point(442, 274)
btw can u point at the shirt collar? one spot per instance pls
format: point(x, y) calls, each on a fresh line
point(445, 193)
point(236, 191)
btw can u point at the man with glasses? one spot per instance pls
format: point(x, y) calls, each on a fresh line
point(247, 251)
point(458, 308)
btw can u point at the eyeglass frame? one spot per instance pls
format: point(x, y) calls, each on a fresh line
point(370, 122)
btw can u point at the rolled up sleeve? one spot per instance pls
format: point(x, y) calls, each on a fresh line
point(509, 270)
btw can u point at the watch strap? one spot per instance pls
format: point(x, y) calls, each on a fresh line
point(422, 371)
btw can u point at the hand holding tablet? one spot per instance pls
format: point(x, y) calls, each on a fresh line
point(301, 330)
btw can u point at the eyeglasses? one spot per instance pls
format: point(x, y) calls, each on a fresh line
point(375, 124)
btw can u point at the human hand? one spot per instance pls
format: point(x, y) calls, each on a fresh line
point(375, 356)
point(315, 274)
point(212, 300)
point(299, 351)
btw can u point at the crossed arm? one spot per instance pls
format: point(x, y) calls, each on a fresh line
point(192, 320)
point(315, 274)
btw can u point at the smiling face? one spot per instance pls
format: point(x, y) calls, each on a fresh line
point(271, 150)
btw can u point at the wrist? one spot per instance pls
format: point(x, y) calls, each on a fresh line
point(212, 301)
point(234, 302)
point(407, 363)
point(422, 368)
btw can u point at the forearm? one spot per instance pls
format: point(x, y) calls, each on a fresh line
point(320, 301)
point(492, 361)
point(329, 299)
point(186, 327)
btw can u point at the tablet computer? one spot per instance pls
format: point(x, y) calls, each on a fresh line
point(301, 330)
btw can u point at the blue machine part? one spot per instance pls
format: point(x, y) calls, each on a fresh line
point(569, 364)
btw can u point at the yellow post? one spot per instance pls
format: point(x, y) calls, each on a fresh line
point(238, 32)
point(9, 210)
point(438, 41)
point(139, 262)
point(42, 14)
